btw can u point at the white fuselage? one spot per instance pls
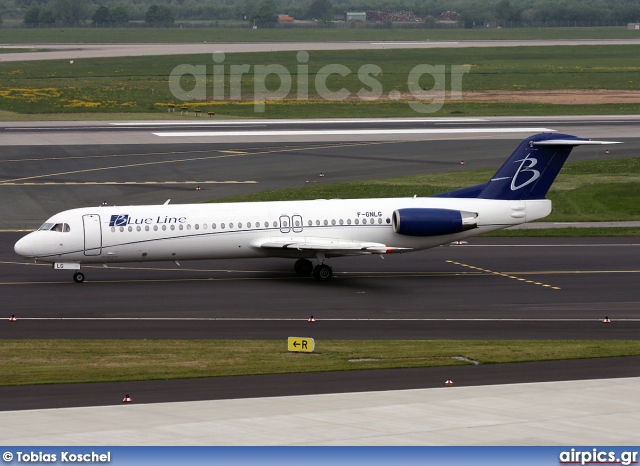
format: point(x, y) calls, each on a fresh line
point(217, 231)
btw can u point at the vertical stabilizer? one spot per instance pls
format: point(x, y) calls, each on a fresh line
point(530, 171)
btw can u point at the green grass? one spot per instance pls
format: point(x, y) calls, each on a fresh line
point(567, 232)
point(589, 191)
point(140, 84)
point(164, 35)
point(25, 362)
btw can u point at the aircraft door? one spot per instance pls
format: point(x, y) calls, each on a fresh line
point(92, 235)
point(285, 224)
point(296, 223)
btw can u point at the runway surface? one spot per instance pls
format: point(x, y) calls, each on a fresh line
point(190, 129)
point(79, 51)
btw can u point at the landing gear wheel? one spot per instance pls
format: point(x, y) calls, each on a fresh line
point(78, 277)
point(322, 272)
point(303, 267)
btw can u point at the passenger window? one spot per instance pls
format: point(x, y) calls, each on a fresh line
point(341, 222)
point(146, 228)
point(348, 221)
point(197, 226)
point(222, 226)
point(155, 228)
point(213, 226)
point(333, 222)
point(113, 229)
point(326, 222)
point(317, 222)
point(388, 220)
point(266, 224)
point(188, 226)
point(231, 225)
point(357, 222)
point(173, 227)
point(380, 220)
point(181, 227)
point(239, 224)
point(138, 228)
point(121, 229)
point(310, 222)
point(257, 224)
point(164, 228)
point(204, 226)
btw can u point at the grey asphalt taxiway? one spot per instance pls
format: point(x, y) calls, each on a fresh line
point(489, 288)
point(80, 51)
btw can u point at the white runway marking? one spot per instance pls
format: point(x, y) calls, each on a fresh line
point(298, 122)
point(359, 132)
point(439, 42)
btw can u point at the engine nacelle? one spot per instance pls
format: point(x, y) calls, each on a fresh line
point(432, 222)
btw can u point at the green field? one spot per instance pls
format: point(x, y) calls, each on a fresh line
point(302, 34)
point(140, 85)
point(24, 362)
point(570, 232)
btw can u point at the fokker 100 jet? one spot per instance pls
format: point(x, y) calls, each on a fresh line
point(304, 230)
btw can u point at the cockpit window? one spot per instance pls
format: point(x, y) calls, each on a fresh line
point(61, 227)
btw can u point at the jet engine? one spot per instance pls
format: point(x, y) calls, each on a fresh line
point(432, 222)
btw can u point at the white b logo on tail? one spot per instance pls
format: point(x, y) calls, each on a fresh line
point(526, 166)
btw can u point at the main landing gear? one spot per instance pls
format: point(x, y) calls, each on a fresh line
point(321, 272)
point(78, 277)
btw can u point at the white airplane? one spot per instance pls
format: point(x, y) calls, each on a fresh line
point(304, 230)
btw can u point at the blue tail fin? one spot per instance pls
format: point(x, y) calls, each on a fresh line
point(530, 171)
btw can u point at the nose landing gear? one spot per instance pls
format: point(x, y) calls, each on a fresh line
point(78, 277)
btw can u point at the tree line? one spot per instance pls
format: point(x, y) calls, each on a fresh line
point(265, 12)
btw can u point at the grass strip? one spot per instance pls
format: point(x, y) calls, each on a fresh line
point(301, 34)
point(141, 84)
point(586, 191)
point(30, 362)
point(570, 232)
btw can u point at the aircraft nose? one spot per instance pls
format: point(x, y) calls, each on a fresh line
point(24, 247)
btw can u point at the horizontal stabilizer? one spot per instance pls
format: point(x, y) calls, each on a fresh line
point(572, 142)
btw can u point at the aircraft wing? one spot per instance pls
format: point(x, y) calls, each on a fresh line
point(328, 246)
